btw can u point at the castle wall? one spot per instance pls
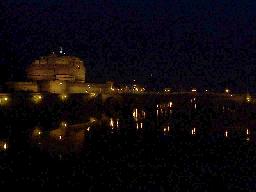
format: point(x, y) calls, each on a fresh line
point(55, 67)
point(59, 74)
point(53, 86)
point(60, 87)
point(86, 88)
point(23, 86)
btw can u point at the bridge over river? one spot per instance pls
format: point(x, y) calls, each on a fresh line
point(135, 97)
point(162, 96)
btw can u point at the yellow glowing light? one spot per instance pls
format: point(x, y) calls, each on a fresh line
point(3, 100)
point(248, 98)
point(111, 123)
point(5, 146)
point(37, 132)
point(144, 114)
point(117, 123)
point(64, 124)
point(135, 114)
point(88, 129)
point(193, 131)
point(247, 131)
point(227, 90)
point(226, 133)
point(37, 98)
point(167, 90)
point(193, 90)
point(60, 137)
point(63, 97)
point(92, 119)
point(92, 94)
point(141, 125)
point(60, 83)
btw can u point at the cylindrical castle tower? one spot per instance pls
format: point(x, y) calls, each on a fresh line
point(54, 67)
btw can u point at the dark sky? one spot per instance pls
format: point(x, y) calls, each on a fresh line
point(182, 43)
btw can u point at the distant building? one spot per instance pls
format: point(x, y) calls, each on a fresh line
point(53, 67)
point(58, 74)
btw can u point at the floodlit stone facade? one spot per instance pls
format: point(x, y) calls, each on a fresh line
point(53, 67)
point(58, 74)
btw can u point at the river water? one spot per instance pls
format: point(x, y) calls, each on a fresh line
point(188, 144)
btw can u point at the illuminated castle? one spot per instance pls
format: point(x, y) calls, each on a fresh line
point(58, 74)
point(53, 67)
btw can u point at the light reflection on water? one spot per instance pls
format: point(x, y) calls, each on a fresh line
point(167, 129)
point(138, 114)
point(3, 145)
point(160, 137)
point(139, 125)
point(193, 131)
point(114, 123)
point(164, 109)
point(65, 138)
point(60, 141)
point(68, 136)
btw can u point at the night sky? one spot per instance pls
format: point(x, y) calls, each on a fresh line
point(179, 43)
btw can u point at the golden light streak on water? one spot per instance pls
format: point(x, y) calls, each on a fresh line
point(111, 122)
point(226, 133)
point(5, 146)
point(117, 123)
point(193, 131)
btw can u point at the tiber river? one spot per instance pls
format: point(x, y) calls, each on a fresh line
point(185, 144)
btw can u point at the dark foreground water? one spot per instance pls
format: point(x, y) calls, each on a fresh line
point(187, 144)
